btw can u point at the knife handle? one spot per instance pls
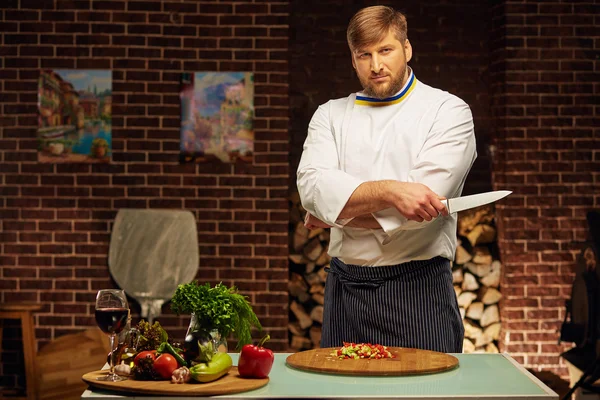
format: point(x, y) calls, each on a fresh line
point(445, 202)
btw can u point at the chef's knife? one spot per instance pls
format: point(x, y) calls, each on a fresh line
point(465, 202)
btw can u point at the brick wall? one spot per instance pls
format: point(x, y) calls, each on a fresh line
point(545, 88)
point(56, 219)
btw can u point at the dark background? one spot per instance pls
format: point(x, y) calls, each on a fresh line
point(528, 69)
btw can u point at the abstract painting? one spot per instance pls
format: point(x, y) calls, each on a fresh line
point(74, 116)
point(217, 110)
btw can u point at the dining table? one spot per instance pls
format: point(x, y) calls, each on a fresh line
point(478, 376)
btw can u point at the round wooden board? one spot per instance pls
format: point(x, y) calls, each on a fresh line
point(407, 362)
point(228, 384)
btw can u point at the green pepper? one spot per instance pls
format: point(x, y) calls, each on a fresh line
point(165, 347)
point(220, 364)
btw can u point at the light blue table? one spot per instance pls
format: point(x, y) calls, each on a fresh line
point(479, 376)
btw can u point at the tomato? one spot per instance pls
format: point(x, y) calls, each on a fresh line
point(164, 365)
point(144, 354)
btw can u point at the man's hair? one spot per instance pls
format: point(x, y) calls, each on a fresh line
point(371, 24)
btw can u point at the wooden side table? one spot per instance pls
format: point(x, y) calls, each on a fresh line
point(23, 312)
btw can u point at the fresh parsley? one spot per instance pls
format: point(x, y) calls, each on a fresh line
point(219, 307)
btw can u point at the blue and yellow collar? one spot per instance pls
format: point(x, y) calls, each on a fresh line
point(373, 102)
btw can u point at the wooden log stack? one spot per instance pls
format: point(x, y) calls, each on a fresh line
point(476, 277)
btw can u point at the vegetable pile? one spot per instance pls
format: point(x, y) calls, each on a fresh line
point(362, 350)
point(216, 311)
point(158, 359)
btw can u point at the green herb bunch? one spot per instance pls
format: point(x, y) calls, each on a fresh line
point(219, 307)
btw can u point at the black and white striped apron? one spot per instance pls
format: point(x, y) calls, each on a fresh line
point(407, 305)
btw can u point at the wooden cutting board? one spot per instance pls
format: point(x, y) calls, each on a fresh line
point(407, 362)
point(230, 383)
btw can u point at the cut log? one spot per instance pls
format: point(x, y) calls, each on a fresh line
point(472, 331)
point(482, 340)
point(462, 312)
point(481, 255)
point(457, 290)
point(466, 298)
point(324, 258)
point(493, 278)
point(317, 288)
point(313, 279)
point(318, 298)
point(457, 275)
point(298, 288)
point(310, 267)
point(324, 236)
point(300, 343)
point(323, 273)
point(297, 259)
point(469, 283)
point(316, 314)
point(315, 336)
point(300, 236)
point(467, 220)
point(490, 295)
point(313, 249)
point(482, 234)
point(303, 318)
point(479, 269)
point(462, 256)
point(489, 316)
point(475, 311)
point(294, 328)
point(491, 348)
point(493, 330)
point(468, 346)
point(315, 232)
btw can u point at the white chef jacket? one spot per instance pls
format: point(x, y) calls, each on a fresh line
point(421, 134)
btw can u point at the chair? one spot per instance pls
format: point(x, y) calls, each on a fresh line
point(23, 312)
point(583, 310)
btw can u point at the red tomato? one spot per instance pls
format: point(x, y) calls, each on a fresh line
point(164, 365)
point(144, 354)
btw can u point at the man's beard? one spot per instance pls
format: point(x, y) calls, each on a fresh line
point(383, 91)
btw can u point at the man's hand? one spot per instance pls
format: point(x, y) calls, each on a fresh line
point(416, 201)
point(312, 222)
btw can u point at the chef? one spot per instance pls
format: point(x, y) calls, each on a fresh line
point(374, 168)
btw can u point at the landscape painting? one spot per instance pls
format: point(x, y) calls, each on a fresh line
point(217, 111)
point(74, 116)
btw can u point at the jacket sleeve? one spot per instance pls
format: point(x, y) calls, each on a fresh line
point(443, 163)
point(323, 187)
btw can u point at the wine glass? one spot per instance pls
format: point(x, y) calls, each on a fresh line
point(112, 311)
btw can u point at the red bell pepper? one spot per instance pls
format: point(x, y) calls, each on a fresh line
point(255, 361)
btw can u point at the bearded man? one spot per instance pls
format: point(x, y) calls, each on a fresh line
point(374, 168)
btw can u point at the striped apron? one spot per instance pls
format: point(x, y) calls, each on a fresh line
point(407, 305)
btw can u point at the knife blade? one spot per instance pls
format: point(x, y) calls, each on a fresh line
point(457, 204)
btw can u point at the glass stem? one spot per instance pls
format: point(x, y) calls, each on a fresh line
point(112, 354)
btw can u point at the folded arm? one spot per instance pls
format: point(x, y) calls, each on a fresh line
point(442, 165)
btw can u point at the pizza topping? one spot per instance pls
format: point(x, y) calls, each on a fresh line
point(362, 350)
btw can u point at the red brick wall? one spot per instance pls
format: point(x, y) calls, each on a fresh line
point(56, 219)
point(545, 105)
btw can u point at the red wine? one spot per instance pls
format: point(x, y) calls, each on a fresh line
point(112, 320)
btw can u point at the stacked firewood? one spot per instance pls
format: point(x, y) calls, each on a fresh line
point(476, 275)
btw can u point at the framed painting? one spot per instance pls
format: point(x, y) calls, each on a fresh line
point(217, 111)
point(74, 116)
